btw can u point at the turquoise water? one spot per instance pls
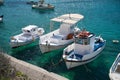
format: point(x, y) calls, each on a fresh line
point(101, 17)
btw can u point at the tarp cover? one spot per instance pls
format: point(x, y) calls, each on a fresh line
point(68, 18)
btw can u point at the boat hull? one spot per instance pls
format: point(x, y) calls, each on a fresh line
point(43, 8)
point(72, 64)
point(114, 72)
point(48, 48)
point(1, 19)
point(18, 44)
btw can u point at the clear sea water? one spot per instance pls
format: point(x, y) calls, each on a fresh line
point(100, 16)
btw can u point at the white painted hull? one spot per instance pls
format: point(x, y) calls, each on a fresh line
point(52, 46)
point(43, 7)
point(113, 74)
point(18, 44)
point(71, 64)
point(75, 64)
point(1, 19)
point(30, 34)
point(48, 48)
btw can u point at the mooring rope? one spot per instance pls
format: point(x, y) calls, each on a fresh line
point(87, 69)
point(55, 64)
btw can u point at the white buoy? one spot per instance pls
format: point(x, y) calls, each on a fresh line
point(115, 41)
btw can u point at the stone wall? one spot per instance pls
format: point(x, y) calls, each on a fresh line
point(33, 72)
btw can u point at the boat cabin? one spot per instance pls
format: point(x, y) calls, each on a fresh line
point(67, 21)
point(29, 29)
point(84, 42)
point(65, 29)
point(83, 38)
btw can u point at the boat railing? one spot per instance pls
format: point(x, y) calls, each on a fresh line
point(113, 68)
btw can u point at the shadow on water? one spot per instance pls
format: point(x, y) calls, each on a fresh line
point(90, 72)
point(26, 54)
point(2, 24)
point(52, 61)
point(73, 1)
point(16, 2)
point(43, 11)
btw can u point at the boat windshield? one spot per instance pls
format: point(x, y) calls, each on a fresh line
point(82, 41)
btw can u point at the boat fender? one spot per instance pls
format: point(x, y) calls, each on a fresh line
point(13, 38)
point(66, 53)
point(47, 43)
point(53, 34)
point(33, 38)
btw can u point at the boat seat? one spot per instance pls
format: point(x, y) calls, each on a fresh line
point(62, 37)
point(76, 56)
point(98, 45)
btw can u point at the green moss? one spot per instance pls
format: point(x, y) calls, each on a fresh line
point(18, 73)
point(7, 72)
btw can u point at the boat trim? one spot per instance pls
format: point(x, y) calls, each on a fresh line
point(87, 59)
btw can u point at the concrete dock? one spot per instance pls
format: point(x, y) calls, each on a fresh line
point(32, 71)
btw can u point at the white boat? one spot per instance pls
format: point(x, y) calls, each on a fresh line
point(86, 48)
point(115, 41)
point(1, 18)
point(31, 2)
point(43, 6)
point(63, 36)
point(114, 73)
point(29, 34)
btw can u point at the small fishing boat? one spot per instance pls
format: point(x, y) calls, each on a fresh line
point(114, 72)
point(86, 48)
point(1, 18)
point(32, 2)
point(29, 34)
point(115, 41)
point(62, 36)
point(43, 6)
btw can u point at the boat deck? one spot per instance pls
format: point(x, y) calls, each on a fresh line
point(118, 67)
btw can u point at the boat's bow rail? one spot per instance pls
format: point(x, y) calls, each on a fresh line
point(40, 31)
point(1, 18)
point(12, 38)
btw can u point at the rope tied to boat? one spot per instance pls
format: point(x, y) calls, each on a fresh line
point(55, 64)
point(87, 69)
